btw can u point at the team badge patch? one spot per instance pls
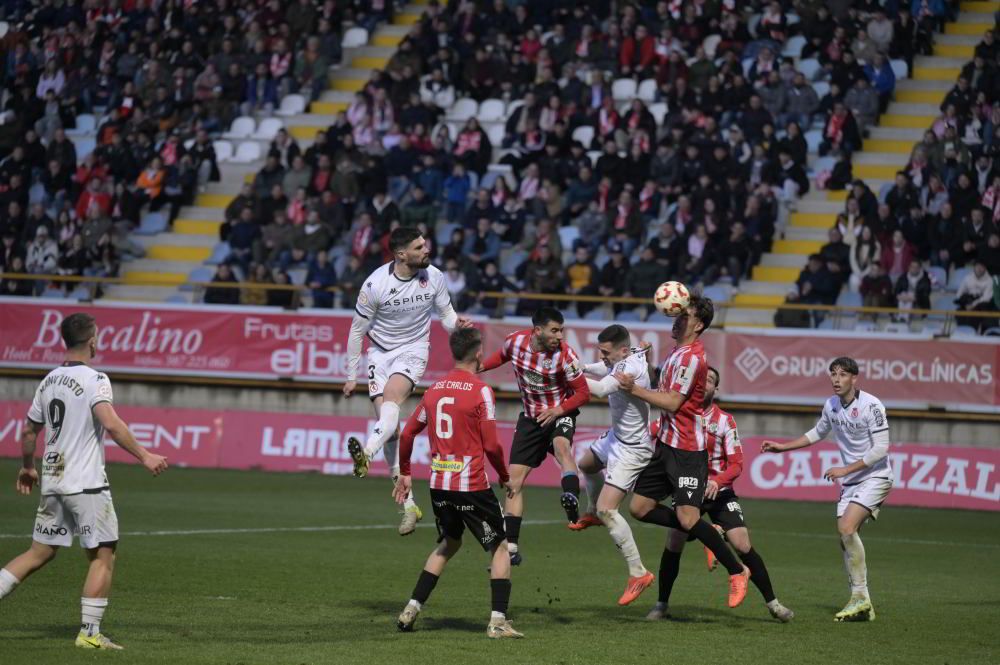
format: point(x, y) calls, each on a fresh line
point(362, 298)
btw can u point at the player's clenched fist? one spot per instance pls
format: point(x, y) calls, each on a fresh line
point(771, 447)
point(349, 388)
point(155, 464)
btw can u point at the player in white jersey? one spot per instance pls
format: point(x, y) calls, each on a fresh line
point(861, 429)
point(623, 451)
point(393, 311)
point(74, 405)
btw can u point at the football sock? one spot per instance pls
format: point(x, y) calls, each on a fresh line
point(500, 596)
point(385, 428)
point(854, 561)
point(7, 582)
point(621, 533)
point(512, 525)
point(571, 483)
point(670, 565)
point(663, 516)
point(707, 534)
point(593, 482)
point(425, 585)
point(92, 611)
point(758, 574)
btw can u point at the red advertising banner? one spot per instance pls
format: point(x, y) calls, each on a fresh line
point(766, 366)
point(932, 476)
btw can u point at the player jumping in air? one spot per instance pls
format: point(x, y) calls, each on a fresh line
point(394, 311)
point(725, 463)
point(74, 405)
point(859, 424)
point(459, 413)
point(624, 450)
point(552, 388)
point(679, 467)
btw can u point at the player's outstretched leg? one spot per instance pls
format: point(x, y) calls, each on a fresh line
point(427, 581)
point(95, 599)
point(592, 482)
point(411, 511)
point(570, 499)
point(621, 533)
point(23, 565)
point(739, 538)
point(670, 566)
point(859, 607)
point(500, 626)
point(513, 510)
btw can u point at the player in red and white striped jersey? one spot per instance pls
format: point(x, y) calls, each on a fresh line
point(725, 464)
point(460, 414)
point(553, 389)
point(679, 467)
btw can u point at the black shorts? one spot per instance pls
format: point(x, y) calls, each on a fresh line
point(725, 510)
point(478, 511)
point(681, 474)
point(532, 442)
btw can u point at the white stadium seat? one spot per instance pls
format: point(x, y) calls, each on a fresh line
point(241, 128)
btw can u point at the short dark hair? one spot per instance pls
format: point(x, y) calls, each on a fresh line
point(704, 310)
point(718, 377)
point(849, 365)
point(77, 329)
point(401, 237)
point(464, 343)
point(545, 315)
point(616, 334)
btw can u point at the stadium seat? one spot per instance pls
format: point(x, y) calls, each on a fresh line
point(752, 24)
point(177, 299)
point(152, 223)
point(746, 64)
point(86, 123)
point(943, 301)
point(848, 298)
point(492, 110)
point(36, 194)
point(939, 277)
point(599, 314)
point(188, 144)
point(623, 90)
point(964, 331)
point(199, 274)
point(647, 91)
point(297, 275)
point(292, 105)
point(249, 151)
point(567, 236)
point(711, 44)
point(463, 109)
point(992, 332)
point(509, 261)
point(268, 129)
point(4, 29)
point(593, 155)
point(957, 276)
point(659, 111)
point(223, 151)
point(241, 128)
point(585, 135)
point(883, 191)
point(717, 293)
point(495, 131)
point(53, 292)
point(814, 137)
point(822, 89)
point(822, 164)
point(793, 47)
point(444, 231)
point(809, 68)
point(219, 254)
point(84, 145)
point(899, 68)
point(81, 292)
point(791, 18)
point(865, 326)
point(354, 38)
point(628, 315)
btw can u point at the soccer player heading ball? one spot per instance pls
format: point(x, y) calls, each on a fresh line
point(859, 424)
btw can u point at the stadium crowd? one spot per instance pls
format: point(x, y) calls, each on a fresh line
point(688, 181)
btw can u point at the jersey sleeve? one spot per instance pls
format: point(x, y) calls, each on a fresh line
point(571, 365)
point(36, 413)
point(442, 299)
point(823, 426)
point(637, 366)
point(99, 390)
point(367, 302)
point(877, 420)
point(488, 433)
point(414, 426)
point(682, 380)
point(731, 442)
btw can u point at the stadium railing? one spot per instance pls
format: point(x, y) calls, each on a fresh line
point(92, 285)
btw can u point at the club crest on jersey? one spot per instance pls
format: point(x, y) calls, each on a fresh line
point(547, 363)
point(422, 281)
point(854, 412)
point(713, 428)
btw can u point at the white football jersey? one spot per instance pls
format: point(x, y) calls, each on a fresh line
point(629, 414)
point(73, 460)
point(852, 427)
point(400, 310)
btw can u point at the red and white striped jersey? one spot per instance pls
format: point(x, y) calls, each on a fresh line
point(725, 452)
point(460, 414)
point(546, 379)
point(684, 371)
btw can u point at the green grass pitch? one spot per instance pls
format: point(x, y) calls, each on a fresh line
point(235, 589)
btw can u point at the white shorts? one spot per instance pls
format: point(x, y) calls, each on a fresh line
point(409, 360)
point(870, 493)
point(622, 463)
point(89, 516)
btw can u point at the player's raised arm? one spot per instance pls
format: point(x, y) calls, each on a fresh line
point(501, 356)
point(606, 386)
point(450, 319)
point(364, 312)
point(27, 476)
point(119, 431)
point(670, 401)
point(818, 433)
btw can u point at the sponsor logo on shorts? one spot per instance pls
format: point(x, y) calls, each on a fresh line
point(565, 421)
point(734, 507)
point(687, 482)
point(51, 530)
point(447, 465)
point(489, 535)
point(84, 531)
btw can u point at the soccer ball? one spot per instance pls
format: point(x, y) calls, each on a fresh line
point(671, 298)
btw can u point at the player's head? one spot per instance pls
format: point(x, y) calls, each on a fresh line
point(711, 384)
point(548, 327)
point(408, 246)
point(694, 320)
point(79, 333)
point(467, 347)
point(843, 375)
point(613, 344)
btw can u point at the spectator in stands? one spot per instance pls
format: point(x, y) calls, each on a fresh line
point(896, 256)
point(492, 281)
point(877, 289)
point(456, 188)
point(816, 285)
point(913, 289)
point(483, 244)
point(350, 283)
point(284, 297)
point(990, 254)
point(320, 278)
point(788, 317)
point(543, 274)
point(841, 131)
point(866, 251)
point(43, 252)
point(975, 294)
point(222, 295)
point(582, 278)
point(16, 287)
point(253, 295)
point(645, 276)
point(883, 80)
point(244, 236)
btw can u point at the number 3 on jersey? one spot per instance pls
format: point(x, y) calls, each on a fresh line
point(442, 421)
